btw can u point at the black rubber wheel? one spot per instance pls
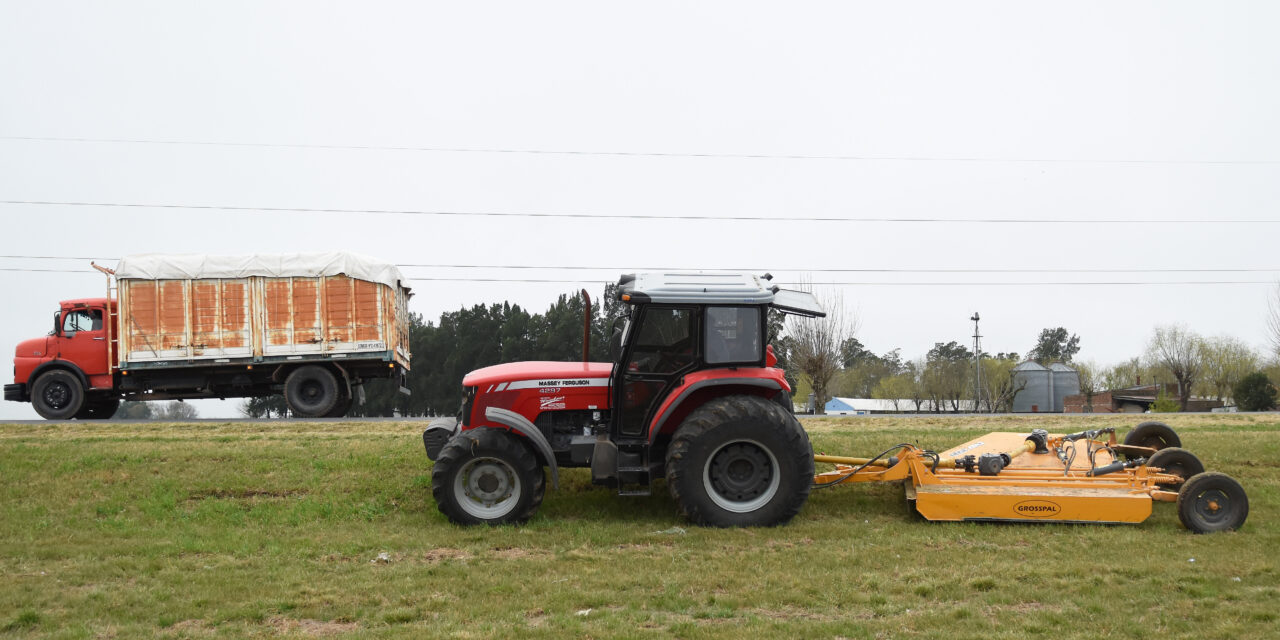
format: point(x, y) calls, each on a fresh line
point(487, 476)
point(311, 391)
point(1153, 435)
point(57, 395)
point(341, 407)
point(1178, 462)
point(98, 409)
point(1210, 502)
point(740, 461)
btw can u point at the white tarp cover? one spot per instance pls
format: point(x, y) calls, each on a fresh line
point(159, 266)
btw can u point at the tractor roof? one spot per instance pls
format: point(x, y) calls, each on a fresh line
point(699, 287)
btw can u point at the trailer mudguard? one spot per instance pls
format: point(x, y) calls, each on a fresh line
point(522, 426)
point(740, 378)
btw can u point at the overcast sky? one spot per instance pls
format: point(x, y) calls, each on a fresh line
point(1146, 112)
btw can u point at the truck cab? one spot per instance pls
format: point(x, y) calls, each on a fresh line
point(691, 369)
point(68, 373)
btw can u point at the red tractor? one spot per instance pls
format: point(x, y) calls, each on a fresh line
point(693, 396)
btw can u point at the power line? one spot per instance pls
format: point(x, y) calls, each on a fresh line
point(617, 269)
point(832, 284)
point(639, 154)
point(530, 214)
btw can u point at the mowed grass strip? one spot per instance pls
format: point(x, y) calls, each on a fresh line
point(329, 530)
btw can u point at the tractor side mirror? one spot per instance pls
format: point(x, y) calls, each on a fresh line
point(616, 330)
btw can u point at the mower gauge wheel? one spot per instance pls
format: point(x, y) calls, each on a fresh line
point(1210, 502)
point(1177, 462)
point(1152, 435)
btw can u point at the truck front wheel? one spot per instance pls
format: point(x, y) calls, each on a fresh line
point(740, 461)
point(487, 476)
point(57, 395)
point(311, 391)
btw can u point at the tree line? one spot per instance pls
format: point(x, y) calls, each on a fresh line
point(819, 355)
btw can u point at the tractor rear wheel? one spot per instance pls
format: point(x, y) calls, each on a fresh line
point(311, 391)
point(1153, 435)
point(487, 476)
point(740, 461)
point(1210, 502)
point(1178, 462)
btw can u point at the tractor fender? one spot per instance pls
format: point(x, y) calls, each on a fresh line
point(670, 409)
point(522, 426)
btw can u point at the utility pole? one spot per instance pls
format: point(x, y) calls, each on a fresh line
point(977, 366)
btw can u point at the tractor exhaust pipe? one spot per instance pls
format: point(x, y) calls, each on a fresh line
point(586, 327)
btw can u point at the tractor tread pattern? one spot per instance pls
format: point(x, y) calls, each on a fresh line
point(489, 441)
point(795, 456)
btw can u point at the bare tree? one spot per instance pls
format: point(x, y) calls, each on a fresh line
point(1181, 352)
point(1227, 360)
point(1090, 376)
point(815, 345)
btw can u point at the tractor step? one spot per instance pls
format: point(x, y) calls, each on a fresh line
point(634, 481)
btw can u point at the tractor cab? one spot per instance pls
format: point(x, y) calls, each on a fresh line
point(690, 356)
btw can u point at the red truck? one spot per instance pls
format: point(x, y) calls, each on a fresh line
point(310, 326)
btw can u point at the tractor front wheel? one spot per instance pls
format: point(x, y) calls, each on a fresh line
point(487, 476)
point(740, 461)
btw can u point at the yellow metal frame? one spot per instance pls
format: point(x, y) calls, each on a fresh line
point(1031, 487)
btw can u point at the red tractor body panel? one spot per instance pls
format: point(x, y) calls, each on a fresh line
point(531, 388)
point(698, 387)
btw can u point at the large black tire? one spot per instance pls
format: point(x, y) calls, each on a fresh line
point(1153, 435)
point(57, 395)
point(98, 409)
point(740, 461)
point(342, 406)
point(1210, 502)
point(311, 391)
point(1178, 462)
point(487, 476)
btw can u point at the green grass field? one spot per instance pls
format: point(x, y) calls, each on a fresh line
point(235, 530)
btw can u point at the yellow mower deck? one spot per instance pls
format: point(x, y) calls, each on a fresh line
point(1017, 483)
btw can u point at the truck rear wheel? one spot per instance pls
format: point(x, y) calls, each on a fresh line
point(341, 407)
point(311, 391)
point(57, 395)
point(740, 461)
point(487, 476)
point(98, 409)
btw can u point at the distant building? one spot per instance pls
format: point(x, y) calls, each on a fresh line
point(1042, 389)
point(866, 406)
point(1137, 399)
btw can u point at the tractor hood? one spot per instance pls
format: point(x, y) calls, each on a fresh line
point(540, 374)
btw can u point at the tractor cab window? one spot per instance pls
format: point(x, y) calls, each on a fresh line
point(733, 335)
point(663, 342)
point(82, 320)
